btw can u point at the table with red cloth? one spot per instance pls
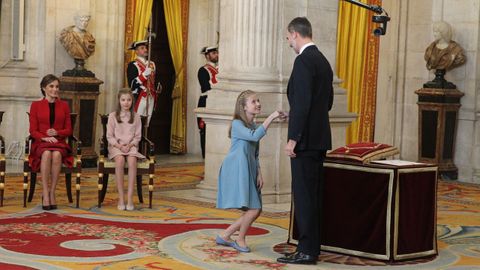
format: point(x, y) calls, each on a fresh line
point(377, 211)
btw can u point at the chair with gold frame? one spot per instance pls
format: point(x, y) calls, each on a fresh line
point(144, 167)
point(75, 145)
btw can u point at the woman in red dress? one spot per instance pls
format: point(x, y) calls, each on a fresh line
point(49, 127)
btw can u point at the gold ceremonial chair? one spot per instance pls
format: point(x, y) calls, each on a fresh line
point(144, 167)
point(75, 145)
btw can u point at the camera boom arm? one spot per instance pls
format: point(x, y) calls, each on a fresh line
point(376, 9)
point(382, 19)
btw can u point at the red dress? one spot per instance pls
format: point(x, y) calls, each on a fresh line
point(40, 123)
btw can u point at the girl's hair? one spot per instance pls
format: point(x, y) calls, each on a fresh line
point(124, 91)
point(46, 80)
point(239, 112)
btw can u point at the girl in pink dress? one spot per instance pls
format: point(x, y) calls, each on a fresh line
point(124, 131)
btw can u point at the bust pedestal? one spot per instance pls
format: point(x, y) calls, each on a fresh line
point(81, 93)
point(437, 127)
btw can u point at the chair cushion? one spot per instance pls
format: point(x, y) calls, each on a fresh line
point(141, 164)
point(363, 152)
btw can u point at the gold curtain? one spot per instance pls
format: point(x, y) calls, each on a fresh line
point(176, 15)
point(137, 18)
point(357, 66)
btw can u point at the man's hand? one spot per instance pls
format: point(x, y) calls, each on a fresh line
point(159, 88)
point(290, 147)
point(147, 72)
point(283, 116)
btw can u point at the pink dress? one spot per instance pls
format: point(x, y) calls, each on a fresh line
point(124, 133)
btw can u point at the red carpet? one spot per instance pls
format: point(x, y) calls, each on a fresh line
point(48, 234)
point(6, 266)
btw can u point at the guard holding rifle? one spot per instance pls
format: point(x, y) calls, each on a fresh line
point(141, 79)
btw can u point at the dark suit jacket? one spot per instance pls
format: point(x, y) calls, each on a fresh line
point(310, 95)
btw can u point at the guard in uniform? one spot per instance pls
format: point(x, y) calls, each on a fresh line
point(141, 79)
point(207, 77)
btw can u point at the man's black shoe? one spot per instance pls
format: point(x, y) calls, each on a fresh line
point(298, 258)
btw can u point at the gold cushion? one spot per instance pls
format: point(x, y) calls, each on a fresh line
point(141, 164)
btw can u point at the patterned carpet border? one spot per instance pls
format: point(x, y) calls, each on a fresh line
point(284, 214)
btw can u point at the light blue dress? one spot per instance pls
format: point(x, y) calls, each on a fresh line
point(237, 180)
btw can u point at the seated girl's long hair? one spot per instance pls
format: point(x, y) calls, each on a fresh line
point(239, 112)
point(124, 91)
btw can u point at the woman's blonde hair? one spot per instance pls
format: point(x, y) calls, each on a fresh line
point(239, 112)
point(124, 91)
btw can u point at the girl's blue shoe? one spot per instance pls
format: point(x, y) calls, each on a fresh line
point(220, 241)
point(239, 248)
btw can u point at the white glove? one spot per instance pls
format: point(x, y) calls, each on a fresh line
point(147, 72)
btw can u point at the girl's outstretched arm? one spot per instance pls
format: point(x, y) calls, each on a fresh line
point(271, 117)
point(240, 131)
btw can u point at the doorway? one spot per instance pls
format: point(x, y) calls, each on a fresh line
point(160, 124)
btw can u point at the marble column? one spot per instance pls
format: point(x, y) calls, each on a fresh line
point(252, 56)
point(250, 38)
point(476, 150)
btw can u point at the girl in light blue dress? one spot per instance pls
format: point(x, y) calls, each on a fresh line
point(240, 179)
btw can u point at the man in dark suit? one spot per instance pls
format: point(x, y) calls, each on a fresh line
point(310, 95)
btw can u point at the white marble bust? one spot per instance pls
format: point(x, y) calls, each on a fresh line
point(443, 52)
point(78, 42)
